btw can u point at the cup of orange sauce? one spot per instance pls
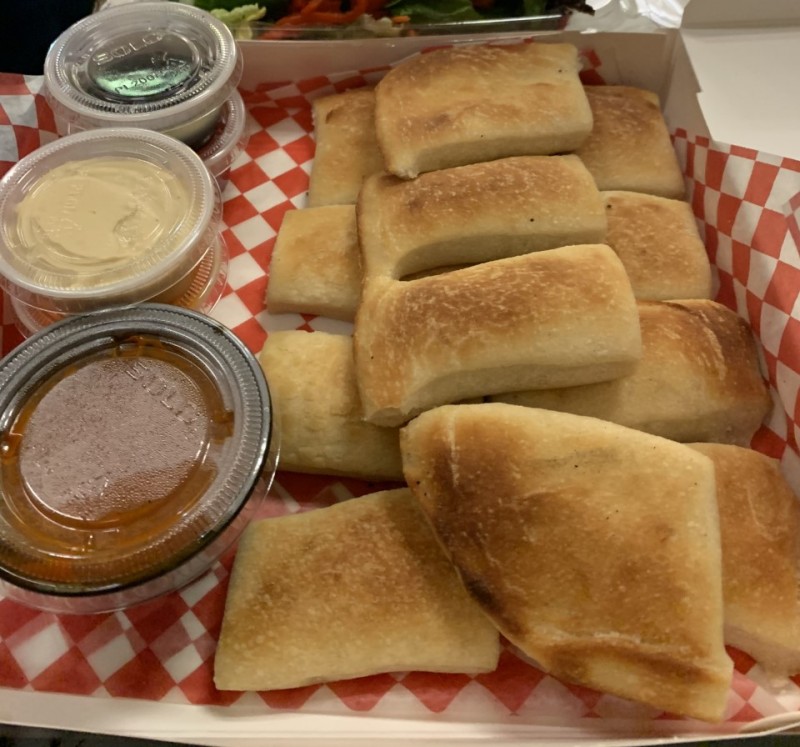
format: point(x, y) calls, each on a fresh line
point(135, 445)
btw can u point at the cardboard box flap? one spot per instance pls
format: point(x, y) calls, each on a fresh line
point(727, 14)
point(745, 57)
point(747, 81)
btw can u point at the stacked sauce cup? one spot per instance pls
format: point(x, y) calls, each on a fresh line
point(161, 66)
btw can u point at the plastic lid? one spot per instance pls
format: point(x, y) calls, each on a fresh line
point(163, 218)
point(130, 440)
point(155, 65)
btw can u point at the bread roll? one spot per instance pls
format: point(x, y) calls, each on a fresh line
point(594, 548)
point(698, 379)
point(312, 381)
point(658, 242)
point(760, 526)
point(352, 590)
point(477, 213)
point(346, 147)
point(471, 103)
point(315, 266)
point(630, 148)
point(560, 317)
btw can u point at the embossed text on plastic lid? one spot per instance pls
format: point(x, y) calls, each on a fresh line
point(134, 445)
point(158, 65)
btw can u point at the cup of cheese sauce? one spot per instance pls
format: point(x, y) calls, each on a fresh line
point(105, 218)
point(135, 445)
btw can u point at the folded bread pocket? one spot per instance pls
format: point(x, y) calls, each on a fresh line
point(346, 148)
point(760, 528)
point(312, 381)
point(594, 548)
point(698, 379)
point(657, 240)
point(315, 266)
point(560, 317)
point(477, 213)
point(471, 103)
point(630, 147)
point(356, 589)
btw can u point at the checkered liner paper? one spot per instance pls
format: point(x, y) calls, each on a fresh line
point(748, 207)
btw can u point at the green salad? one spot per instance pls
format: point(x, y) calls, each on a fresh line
point(374, 17)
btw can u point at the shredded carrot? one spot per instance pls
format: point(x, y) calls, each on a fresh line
point(401, 19)
point(327, 12)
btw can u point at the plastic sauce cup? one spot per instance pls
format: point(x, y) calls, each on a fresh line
point(135, 446)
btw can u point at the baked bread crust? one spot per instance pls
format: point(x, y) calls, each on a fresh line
point(477, 213)
point(346, 147)
point(698, 379)
point(630, 148)
point(348, 591)
point(657, 240)
point(316, 264)
point(560, 317)
point(472, 103)
point(312, 381)
point(760, 527)
point(594, 548)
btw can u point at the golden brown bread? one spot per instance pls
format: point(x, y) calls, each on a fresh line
point(315, 266)
point(472, 103)
point(760, 527)
point(657, 240)
point(477, 213)
point(560, 317)
point(312, 381)
point(593, 547)
point(356, 589)
point(698, 379)
point(346, 147)
point(630, 148)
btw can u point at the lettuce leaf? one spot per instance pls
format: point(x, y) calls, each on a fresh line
point(240, 20)
point(434, 11)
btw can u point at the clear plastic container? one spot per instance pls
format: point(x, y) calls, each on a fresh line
point(135, 445)
point(227, 141)
point(161, 66)
point(109, 217)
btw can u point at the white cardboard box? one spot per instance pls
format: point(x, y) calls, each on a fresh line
point(727, 53)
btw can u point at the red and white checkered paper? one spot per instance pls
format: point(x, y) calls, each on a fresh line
point(748, 206)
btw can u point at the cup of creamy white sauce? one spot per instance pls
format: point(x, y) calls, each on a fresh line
point(110, 217)
point(167, 67)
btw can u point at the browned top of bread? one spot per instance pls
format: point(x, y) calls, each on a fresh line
point(313, 384)
point(346, 147)
point(630, 148)
point(593, 547)
point(359, 588)
point(471, 103)
point(760, 525)
point(657, 240)
point(477, 213)
point(315, 266)
point(698, 378)
point(563, 315)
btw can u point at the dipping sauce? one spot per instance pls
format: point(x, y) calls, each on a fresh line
point(100, 214)
point(109, 217)
point(126, 455)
